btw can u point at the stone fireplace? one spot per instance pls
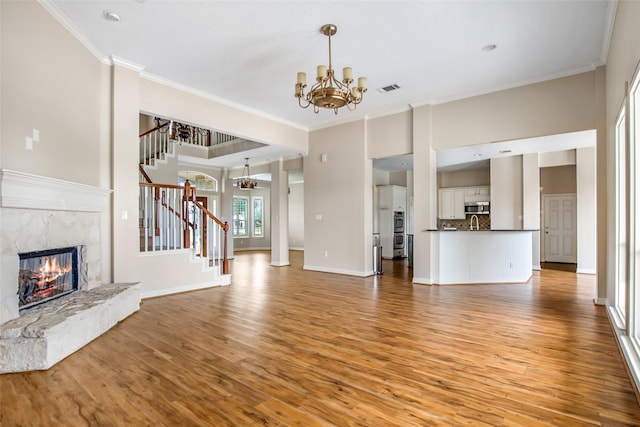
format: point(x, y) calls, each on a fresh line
point(39, 214)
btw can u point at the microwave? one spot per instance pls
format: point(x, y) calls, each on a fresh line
point(476, 208)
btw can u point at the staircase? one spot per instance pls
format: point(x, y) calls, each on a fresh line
point(170, 217)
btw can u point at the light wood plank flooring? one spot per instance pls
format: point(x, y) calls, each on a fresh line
point(286, 347)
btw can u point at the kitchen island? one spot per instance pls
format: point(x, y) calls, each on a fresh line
point(491, 256)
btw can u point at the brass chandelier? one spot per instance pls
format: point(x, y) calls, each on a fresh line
point(245, 182)
point(328, 92)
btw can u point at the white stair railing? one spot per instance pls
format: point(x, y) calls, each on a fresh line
point(154, 145)
point(172, 219)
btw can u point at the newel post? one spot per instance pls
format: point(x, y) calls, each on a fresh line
point(225, 259)
point(185, 215)
point(156, 203)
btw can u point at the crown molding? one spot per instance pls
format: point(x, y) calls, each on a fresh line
point(59, 16)
point(115, 60)
point(612, 8)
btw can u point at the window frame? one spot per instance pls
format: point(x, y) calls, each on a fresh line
point(620, 167)
point(246, 219)
point(255, 199)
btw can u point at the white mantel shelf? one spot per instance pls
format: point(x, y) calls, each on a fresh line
point(28, 191)
point(491, 256)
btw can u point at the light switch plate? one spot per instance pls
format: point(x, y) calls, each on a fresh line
point(29, 143)
point(36, 135)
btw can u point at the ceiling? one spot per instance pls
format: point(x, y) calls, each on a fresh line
point(247, 53)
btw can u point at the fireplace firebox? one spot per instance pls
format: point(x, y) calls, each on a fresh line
point(45, 275)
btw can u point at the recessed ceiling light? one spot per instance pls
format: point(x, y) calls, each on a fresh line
point(504, 151)
point(489, 47)
point(111, 16)
point(477, 155)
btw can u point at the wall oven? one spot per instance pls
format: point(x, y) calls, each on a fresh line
point(398, 222)
point(398, 245)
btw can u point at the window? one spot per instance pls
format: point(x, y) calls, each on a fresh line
point(258, 203)
point(240, 216)
point(198, 179)
point(633, 208)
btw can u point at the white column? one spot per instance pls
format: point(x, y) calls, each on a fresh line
point(586, 214)
point(531, 202)
point(425, 190)
point(279, 214)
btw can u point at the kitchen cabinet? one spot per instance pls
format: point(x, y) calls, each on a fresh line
point(477, 194)
point(451, 203)
point(392, 198)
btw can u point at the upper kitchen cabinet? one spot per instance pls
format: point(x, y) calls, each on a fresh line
point(477, 194)
point(392, 198)
point(451, 203)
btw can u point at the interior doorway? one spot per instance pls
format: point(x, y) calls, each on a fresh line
point(560, 231)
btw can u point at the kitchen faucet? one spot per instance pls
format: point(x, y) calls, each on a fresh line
point(477, 222)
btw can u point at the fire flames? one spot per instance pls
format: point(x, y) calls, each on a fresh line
point(50, 271)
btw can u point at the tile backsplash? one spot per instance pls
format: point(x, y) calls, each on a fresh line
point(484, 222)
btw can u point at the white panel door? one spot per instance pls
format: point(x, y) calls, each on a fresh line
point(560, 228)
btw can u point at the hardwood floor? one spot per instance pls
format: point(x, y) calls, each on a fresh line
point(284, 347)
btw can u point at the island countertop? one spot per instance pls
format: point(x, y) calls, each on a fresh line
point(475, 231)
point(480, 256)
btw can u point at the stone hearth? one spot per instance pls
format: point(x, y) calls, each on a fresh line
point(46, 334)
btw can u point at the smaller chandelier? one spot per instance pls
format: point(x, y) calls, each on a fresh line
point(245, 182)
point(328, 92)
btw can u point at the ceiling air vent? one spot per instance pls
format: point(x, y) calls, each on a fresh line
point(388, 88)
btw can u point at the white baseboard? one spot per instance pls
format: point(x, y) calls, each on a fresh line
point(600, 301)
point(338, 271)
point(536, 267)
point(224, 280)
point(280, 264)
point(586, 271)
point(236, 249)
point(422, 281)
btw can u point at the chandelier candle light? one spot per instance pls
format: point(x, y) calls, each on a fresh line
point(245, 182)
point(328, 92)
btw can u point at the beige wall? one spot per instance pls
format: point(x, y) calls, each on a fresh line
point(506, 194)
point(547, 108)
point(296, 216)
point(464, 178)
point(338, 201)
point(390, 135)
point(558, 180)
point(51, 83)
